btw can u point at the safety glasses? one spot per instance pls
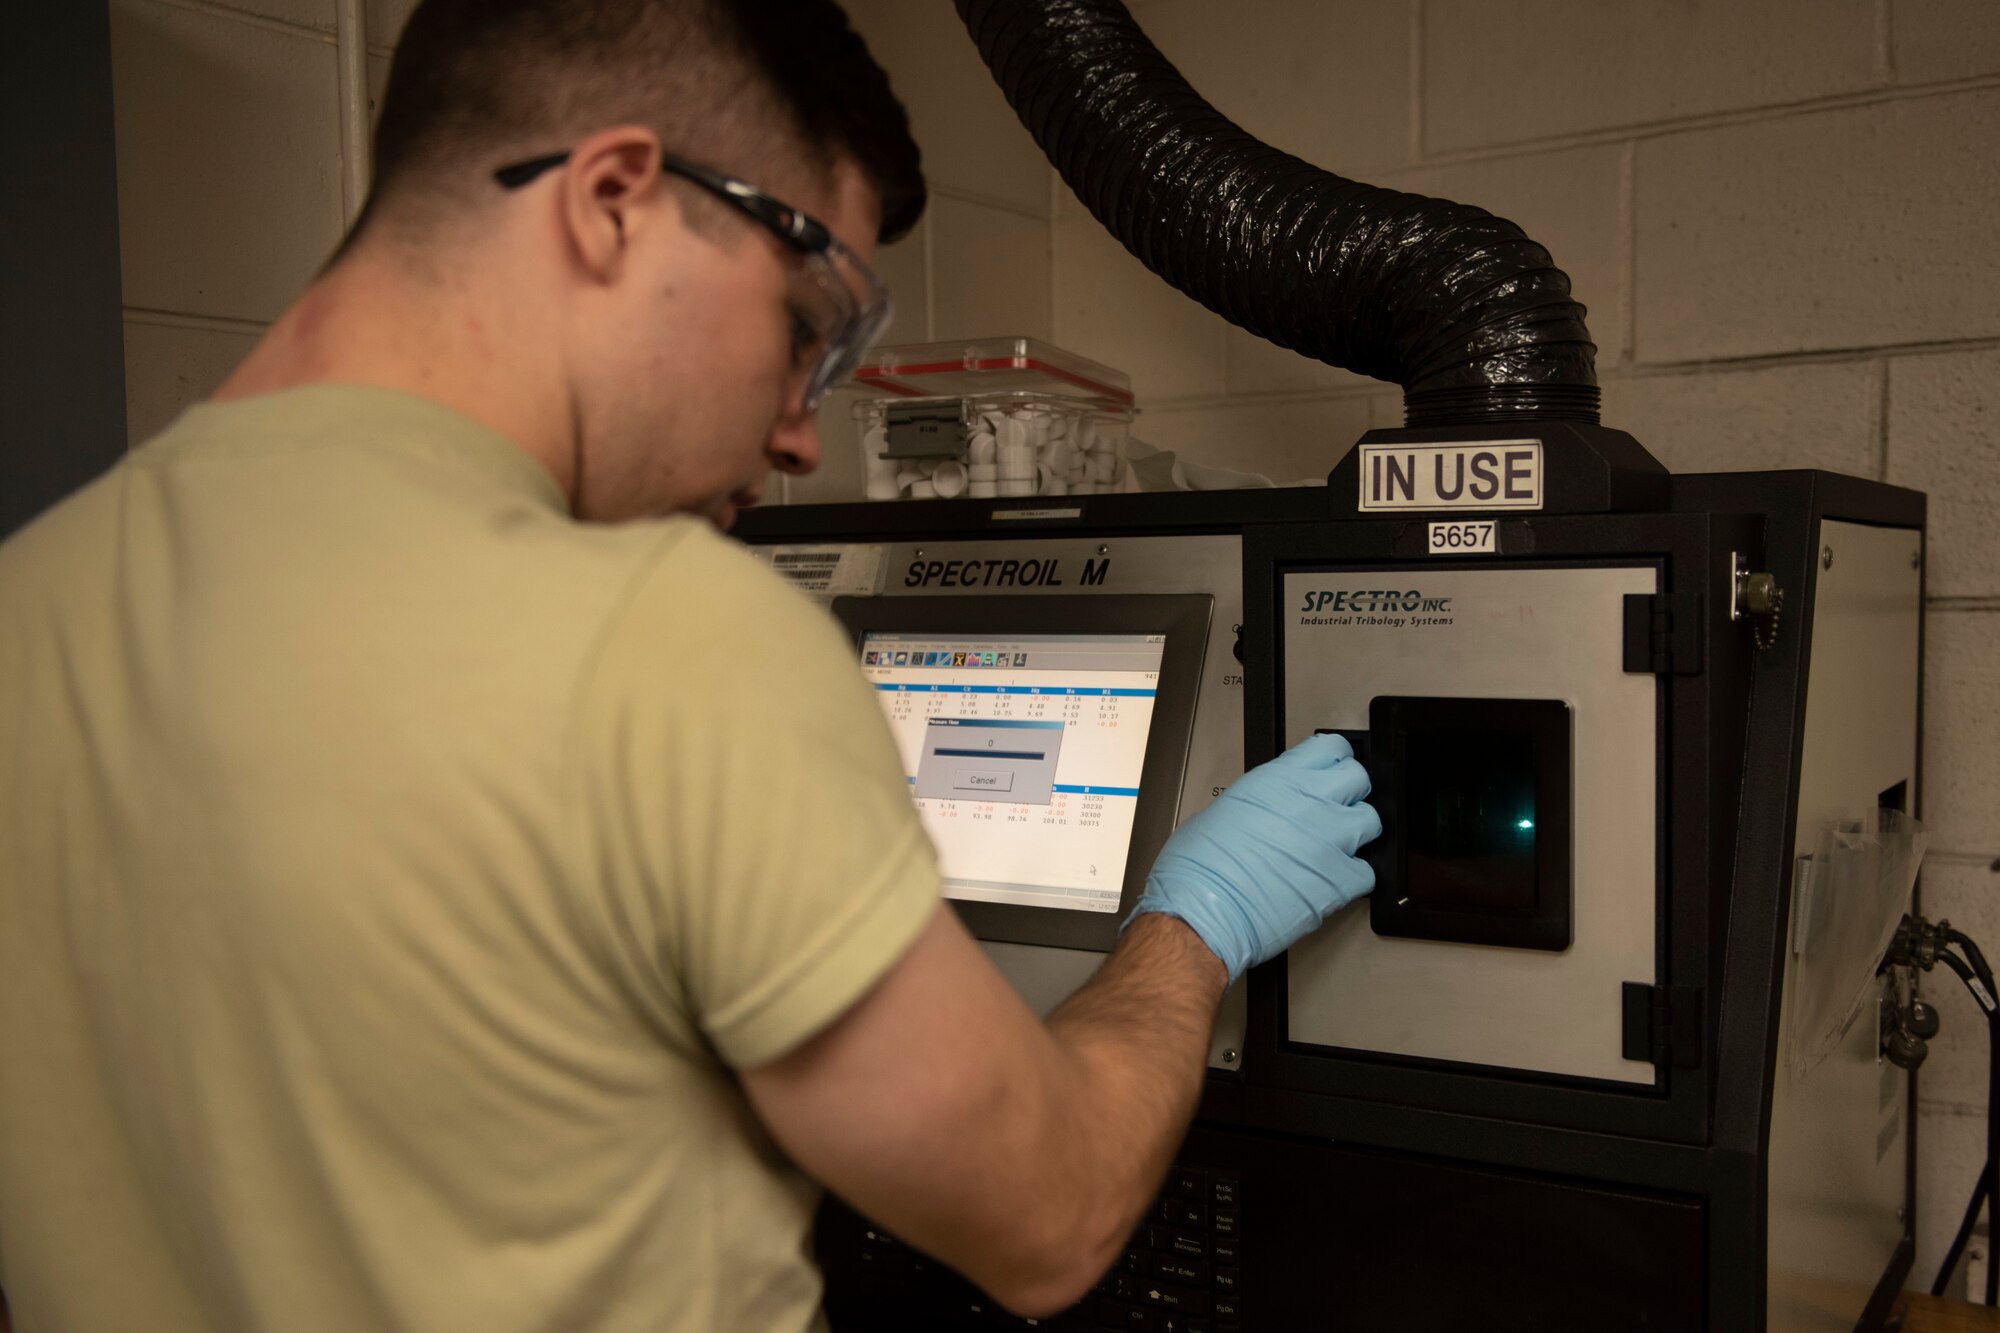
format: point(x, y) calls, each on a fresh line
point(841, 304)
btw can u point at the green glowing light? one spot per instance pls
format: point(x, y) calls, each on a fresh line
point(1525, 823)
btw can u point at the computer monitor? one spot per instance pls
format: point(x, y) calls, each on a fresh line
point(1044, 741)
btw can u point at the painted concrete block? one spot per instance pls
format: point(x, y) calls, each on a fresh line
point(971, 139)
point(1944, 39)
point(170, 368)
point(901, 267)
point(228, 160)
point(1962, 730)
point(1944, 439)
point(989, 271)
point(317, 14)
point(1820, 415)
point(378, 83)
point(386, 19)
point(1571, 201)
point(1327, 83)
point(1112, 308)
point(1253, 365)
point(1861, 227)
point(1287, 441)
point(1532, 69)
point(1385, 411)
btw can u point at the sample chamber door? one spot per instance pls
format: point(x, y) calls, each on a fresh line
point(1518, 763)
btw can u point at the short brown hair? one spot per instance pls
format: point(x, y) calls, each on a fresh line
point(733, 84)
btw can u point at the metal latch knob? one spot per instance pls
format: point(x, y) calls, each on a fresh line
point(1756, 596)
point(1759, 594)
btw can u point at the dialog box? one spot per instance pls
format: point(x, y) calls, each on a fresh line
point(1010, 759)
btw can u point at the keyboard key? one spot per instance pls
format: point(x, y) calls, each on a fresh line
point(1190, 1182)
point(1226, 1279)
point(1224, 1249)
point(1166, 1240)
point(1113, 1315)
point(1178, 1298)
point(1223, 1220)
point(1184, 1323)
point(1190, 1272)
point(1226, 1184)
point(980, 1309)
point(1180, 1213)
point(1229, 1308)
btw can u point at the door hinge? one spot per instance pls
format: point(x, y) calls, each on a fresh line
point(1663, 633)
point(1662, 1024)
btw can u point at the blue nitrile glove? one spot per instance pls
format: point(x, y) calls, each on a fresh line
point(1272, 857)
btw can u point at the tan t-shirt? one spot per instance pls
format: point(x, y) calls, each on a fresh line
point(391, 871)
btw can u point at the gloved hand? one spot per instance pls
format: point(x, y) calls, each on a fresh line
point(1272, 857)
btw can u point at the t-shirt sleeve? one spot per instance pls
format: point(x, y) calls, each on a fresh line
point(749, 820)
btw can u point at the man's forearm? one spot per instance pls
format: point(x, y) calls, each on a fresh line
point(1136, 1038)
point(1019, 1151)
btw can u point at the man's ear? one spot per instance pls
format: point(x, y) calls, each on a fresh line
point(606, 177)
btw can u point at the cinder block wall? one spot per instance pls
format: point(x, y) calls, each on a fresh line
point(229, 178)
point(1780, 215)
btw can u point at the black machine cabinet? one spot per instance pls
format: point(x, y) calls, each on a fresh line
point(1560, 1093)
point(1333, 1236)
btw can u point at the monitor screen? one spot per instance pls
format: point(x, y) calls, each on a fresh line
point(1023, 754)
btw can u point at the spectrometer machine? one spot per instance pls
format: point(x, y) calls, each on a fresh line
point(1604, 1049)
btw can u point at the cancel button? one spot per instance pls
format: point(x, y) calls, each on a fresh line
point(974, 780)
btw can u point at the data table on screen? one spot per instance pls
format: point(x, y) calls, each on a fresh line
point(1023, 756)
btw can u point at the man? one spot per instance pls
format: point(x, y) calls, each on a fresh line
point(446, 885)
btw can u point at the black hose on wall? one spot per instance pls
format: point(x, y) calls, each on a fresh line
point(1459, 307)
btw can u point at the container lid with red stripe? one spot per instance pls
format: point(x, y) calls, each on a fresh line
point(950, 369)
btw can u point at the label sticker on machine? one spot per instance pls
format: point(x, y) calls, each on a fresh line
point(839, 570)
point(1490, 474)
point(1462, 539)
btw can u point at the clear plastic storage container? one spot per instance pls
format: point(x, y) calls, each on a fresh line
point(1003, 416)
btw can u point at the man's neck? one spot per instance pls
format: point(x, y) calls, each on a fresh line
point(365, 323)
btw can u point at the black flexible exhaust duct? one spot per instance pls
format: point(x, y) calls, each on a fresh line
point(1459, 307)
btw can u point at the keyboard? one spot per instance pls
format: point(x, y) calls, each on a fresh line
point(1180, 1273)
